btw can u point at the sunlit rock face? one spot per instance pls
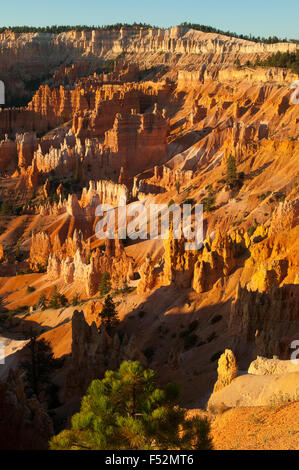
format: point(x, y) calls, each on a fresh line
point(173, 121)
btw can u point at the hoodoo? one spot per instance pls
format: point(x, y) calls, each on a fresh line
point(119, 147)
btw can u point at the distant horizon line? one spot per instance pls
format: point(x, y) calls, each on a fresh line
point(204, 28)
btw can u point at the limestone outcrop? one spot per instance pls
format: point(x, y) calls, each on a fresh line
point(8, 154)
point(178, 263)
point(148, 276)
point(269, 321)
point(93, 353)
point(274, 366)
point(85, 269)
point(157, 127)
point(227, 370)
point(74, 153)
point(285, 217)
point(164, 178)
point(146, 133)
point(256, 390)
point(25, 424)
point(103, 192)
point(39, 251)
point(218, 259)
point(42, 247)
point(27, 144)
point(241, 138)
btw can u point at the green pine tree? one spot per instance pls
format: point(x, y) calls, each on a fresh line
point(109, 315)
point(126, 410)
point(42, 302)
point(231, 171)
point(57, 300)
point(75, 300)
point(105, 284)
point(178, 187)
point(209, 201)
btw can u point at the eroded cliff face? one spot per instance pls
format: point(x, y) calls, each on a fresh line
point(91, 104)
point(8, 152)
point(137, 141)
point(264, 311)
point(103, 192)
point(25, 424)
point(220, 255)
point(161, 132)
point(234, 113)
point(90, 148)
point(75, 263)
point(19, 153)
point(190, 79)
point(31, 58)
point(269, 321)
point(94, 352)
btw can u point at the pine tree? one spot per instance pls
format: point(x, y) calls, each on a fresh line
point(75, 300)
point(231, 171)
point(177, 187)
point(18, 254)
point(116, 282)
point(109, 315)
point(125, 287)
point(105, 285)
point(126, 410)
point(57, 300)
point(237, 63)
point(209, 201)
point(40, 365)
point(42, 302)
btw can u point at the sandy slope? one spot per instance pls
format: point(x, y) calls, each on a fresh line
point(257, 428)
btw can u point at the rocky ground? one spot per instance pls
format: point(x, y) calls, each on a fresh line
point(257, 428)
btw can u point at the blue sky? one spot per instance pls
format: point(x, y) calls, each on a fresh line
point(258, 17)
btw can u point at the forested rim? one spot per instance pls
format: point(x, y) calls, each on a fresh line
point(55, 29)
point(286, 60)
